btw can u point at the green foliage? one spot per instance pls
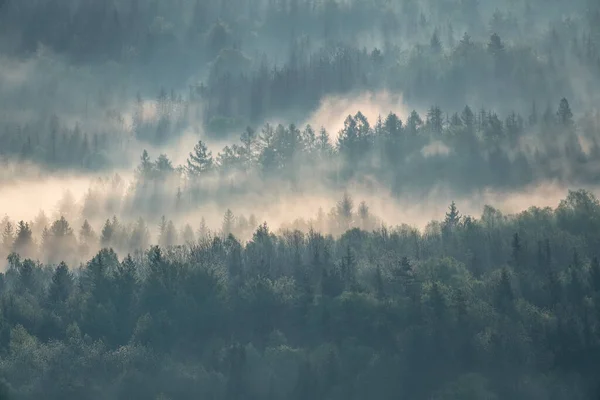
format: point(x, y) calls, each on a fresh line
point(500, 307)
point(200, 161)
point(304, 316)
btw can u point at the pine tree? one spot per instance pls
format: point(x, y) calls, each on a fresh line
point(86, 231)
point(452, 216)
point(61, 228)
point(125, 282)
point(228, 223)
point(325, 149)
point(249, 141)
point(495, 45)
point(187, 235)
point(87, 234)
point(178, 200)
point(39, 223)
point(203, 229)
point(144, 170)
point(46, 244)
point(167, 234)
point(504, 295)
point(200, 161)
point(435, 43)
point(393, 125)
point(163, 166)
point(348, 142)
point(468, 119)
point(107, 234)
point(564, 113)
point(345, 212)
point(27, 275)
point(309, 139)
point(8, 236)
point(435, 120)
point(162, 228)
point(61, 286)
point(363, 212)
point(170, 235)
point(24, 241)
point(140, 236)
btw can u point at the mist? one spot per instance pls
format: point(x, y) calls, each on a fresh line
point(299, 199)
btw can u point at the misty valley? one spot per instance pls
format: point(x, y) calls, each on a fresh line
point(300, 199)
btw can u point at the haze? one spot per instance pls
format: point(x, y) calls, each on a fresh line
point(299, 199)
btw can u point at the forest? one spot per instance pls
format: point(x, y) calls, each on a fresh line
point(470, 308)
point(300, 199)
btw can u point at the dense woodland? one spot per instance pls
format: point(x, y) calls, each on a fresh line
point(471, 308)
point(131, 292)
point(226, 64)
point(404, 156)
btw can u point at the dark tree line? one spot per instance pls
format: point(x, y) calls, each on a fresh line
point(470, 308)
point(258, 60)
point(406, 156)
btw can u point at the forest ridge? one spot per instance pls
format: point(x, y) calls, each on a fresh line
point(501, 307)
point(176, 128)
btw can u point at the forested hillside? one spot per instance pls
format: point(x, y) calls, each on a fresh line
point(471, 308)
point(299, 199)
point(226, 64)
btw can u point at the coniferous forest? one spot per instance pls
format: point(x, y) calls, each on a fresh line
point(300, 199)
